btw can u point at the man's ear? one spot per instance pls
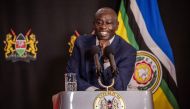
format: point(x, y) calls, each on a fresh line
point(93, 32)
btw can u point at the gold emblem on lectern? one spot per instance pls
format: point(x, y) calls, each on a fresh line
point(109, 100)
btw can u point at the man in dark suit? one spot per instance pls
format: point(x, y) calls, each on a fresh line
point(81, 62)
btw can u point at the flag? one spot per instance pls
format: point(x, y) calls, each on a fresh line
point(124, 30)
point(142, 22)
point(72, 41)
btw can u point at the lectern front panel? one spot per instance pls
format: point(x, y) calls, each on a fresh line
point(92, 100)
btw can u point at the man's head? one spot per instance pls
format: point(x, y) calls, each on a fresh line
point(105, 23)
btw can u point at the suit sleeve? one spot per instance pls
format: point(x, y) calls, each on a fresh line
point(74, 65)
point(126, 68)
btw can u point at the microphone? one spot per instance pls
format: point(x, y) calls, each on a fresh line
point(94, 51)
point(109, 52)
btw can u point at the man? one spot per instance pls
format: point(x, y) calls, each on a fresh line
point(82, 63)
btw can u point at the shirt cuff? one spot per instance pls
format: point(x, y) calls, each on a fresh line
point(106, 65)
point(92, 88)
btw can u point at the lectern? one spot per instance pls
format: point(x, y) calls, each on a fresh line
point(103, 100)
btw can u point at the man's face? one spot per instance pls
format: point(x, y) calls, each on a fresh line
point(105, 25)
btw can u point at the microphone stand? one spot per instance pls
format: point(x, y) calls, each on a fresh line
point(113, 68)
point(114, 73)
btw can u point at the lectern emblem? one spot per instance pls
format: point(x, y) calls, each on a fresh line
point(109, 100)
point(147, 74)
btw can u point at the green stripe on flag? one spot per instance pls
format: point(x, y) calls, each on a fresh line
point(169, 94)
point(125, 19)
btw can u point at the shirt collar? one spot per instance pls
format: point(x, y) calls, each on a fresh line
point(111, 40)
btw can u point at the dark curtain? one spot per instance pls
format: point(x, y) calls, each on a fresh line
point(31, 85)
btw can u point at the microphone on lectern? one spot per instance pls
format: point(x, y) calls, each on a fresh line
point(94, 51)
point(109, 52)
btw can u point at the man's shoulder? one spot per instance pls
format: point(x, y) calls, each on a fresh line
point(124, 45)
point(85, 39)
point(122, 42)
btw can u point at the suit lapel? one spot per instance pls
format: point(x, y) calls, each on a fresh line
point(115, 43)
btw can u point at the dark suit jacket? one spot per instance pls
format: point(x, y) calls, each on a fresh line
point(82, 63)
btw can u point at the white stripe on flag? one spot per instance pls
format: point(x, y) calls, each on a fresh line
point(150, 42)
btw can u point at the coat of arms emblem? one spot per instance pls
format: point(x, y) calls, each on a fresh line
point(20, 47)
point(109, 100)
point(147, 74)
